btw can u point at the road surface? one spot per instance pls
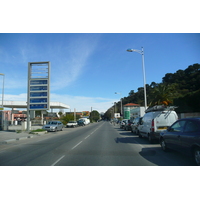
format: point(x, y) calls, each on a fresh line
point(98, 144)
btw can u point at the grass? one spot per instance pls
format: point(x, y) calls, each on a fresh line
point(36, 131)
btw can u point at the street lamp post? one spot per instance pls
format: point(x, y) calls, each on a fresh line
point(143, 69)
point(121, 101)
point(2, 100)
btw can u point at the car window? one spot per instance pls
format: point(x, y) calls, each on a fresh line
point(191, 127)
point(178, 126)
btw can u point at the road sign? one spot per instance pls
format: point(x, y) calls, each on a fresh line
point(39, 85)
point(117, 115)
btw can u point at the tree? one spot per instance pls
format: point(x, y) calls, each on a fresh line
point(94, 116)
point(163, 94)
point(68, 117)
point(181, 88)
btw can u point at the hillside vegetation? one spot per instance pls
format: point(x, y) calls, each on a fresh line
point(181, 89)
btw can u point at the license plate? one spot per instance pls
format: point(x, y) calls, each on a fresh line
point(162, 128)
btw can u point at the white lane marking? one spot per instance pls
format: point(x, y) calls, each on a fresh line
point(87, 137)
point(77, 145)
point(95, 130)
point(58, 160)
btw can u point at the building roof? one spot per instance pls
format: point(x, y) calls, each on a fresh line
point(131, 105)
point(23, 104)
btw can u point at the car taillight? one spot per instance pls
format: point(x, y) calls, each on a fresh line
point(152, 126)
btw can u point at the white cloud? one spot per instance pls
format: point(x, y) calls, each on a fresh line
point(11, 97)
point(70, 69)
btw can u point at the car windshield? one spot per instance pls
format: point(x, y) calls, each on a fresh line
point(52, 122)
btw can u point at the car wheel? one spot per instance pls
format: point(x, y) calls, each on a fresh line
point(197, 155)
point(55, 129)
point(163, 145)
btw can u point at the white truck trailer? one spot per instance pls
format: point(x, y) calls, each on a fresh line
point(137, 112)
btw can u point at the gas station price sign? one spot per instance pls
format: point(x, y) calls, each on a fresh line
point(38, 86)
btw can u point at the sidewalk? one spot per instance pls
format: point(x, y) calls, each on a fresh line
point(12, 136)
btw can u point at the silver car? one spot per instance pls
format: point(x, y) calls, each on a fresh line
point(53, 126)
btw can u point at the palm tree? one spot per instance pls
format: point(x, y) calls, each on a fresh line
point(162, 95)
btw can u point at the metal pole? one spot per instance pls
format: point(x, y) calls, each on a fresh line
point(2, 116)
point(120, 100)
point(144, 77)
point(121, 105)
point(3, 90)
point(28, 99)
point(143, 68)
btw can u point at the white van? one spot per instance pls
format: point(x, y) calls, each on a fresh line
point(86, 121)
point(156, 121)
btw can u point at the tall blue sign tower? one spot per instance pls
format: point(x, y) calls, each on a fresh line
point(38, 95)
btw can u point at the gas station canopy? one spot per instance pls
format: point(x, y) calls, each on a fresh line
point(23, 104)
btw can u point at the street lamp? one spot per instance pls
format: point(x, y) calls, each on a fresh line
point(2, 100)
point(120, 99)
point(143, 69)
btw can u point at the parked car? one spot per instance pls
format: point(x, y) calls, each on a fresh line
point(53, 126)
point(72, 124)
point(81, 122)
point(154, 122)
point(135, 124)
point(183, 136)
point(127, 125)
point(123, 122)
point(86, 121)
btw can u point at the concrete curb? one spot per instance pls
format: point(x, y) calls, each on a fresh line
point(22, 138)
point(8, 141)
point(13, 140)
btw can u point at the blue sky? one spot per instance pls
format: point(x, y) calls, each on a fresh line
point(87, 69)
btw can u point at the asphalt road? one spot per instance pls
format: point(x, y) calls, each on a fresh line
point(98, 144)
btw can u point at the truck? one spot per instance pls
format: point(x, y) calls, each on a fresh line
point(137, 112)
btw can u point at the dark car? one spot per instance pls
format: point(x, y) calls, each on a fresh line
point(127, 125)
point(123, 122)
point(80, 122)
point(183, 136)
point(135, 124)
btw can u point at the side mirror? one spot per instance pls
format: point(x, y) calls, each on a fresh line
point(170, 129)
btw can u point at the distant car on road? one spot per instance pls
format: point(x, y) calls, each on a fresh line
point(183, 136)
point(123, 122)
point(53, 126)
point(127, 125)
point(135, 124)
point(81, 122)
point(72, 124)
